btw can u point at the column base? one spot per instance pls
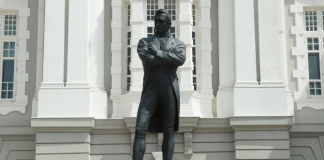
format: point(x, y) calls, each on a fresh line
point(62, 138)
point(63, 102)
point(126, 105)
point(225, 106)
point(260, 102)
point(194, 104)
point(98, 103)
point(261, 137)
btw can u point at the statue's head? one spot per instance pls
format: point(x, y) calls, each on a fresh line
point(162, 21)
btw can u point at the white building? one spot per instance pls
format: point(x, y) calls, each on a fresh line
point(251, 87)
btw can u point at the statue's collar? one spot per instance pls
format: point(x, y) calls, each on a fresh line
point(167, 34)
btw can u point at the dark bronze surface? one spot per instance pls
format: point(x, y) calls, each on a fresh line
point(159, 109)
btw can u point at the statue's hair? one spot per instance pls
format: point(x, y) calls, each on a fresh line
point(161, 11)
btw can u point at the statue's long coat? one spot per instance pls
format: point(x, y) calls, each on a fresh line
point(171, 56)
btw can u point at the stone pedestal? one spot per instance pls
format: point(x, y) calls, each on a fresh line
point(62, 138)
point(261, 137)
point(157, 155)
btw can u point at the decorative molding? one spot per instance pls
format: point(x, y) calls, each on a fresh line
point(63, 129)
point(317, 104)
point(104, 131)
point(8, 107)
point(305, 134)
point(212, 130)
point(188, 144)
point(17, 138)
point(113, 124)
point(187, 124)
point(185, 129)
point(262, 127)
point(310, 2)
point(130, 123)
point(20, 100)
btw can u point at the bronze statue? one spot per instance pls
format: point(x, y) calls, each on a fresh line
point(159, 109)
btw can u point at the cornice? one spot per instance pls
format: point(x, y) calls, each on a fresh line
point(213, 130)
point(17, 137)
point(130, 123)
point(305, 134)
point(63, 129)
point(261, 127)
point(104, 131)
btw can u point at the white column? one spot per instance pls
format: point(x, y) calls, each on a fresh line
point(205, 48)
point(283, 45)
point(117, 47)
point(269, 98)
point(137, 29)
point(226, 58)
point(98, 95)
point(185, 30)
point(78, 44)
point(53, 70)
point(284, 53)
point(67, 101)
point(270, 59)
point(245, 57)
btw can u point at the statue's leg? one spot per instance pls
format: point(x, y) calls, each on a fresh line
point(169, 115)
point(149, 101)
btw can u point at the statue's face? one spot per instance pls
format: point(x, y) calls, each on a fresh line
point(161, 24)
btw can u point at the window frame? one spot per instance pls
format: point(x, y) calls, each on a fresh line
point(315, 34)
point(3, 23)
point(15, 69)
point(8, 38)
point(20, 97)
point(150, 23)
point(127, 28)
point(195, 46)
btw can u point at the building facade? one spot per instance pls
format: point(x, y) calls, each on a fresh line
point(251, 86)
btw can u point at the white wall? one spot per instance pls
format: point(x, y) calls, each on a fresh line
point(306, 115)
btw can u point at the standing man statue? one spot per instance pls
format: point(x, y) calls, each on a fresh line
point(159, 109)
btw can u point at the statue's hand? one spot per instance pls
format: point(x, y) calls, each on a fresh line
point(152, 48)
